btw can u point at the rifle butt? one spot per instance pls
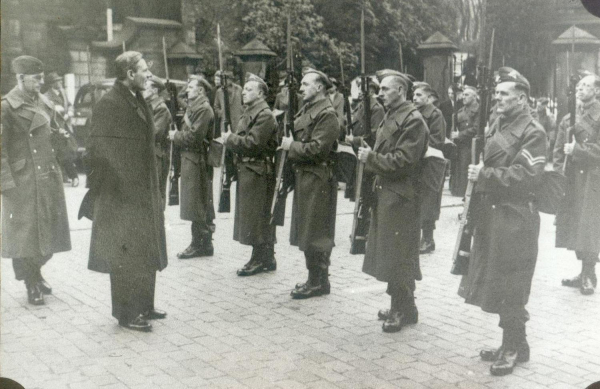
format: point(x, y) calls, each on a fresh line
point(225, 201)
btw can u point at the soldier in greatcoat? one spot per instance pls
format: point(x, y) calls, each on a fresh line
point(196, 189)
point(235, 102)
point(162, 126)
point(337, 101)
point(64, 141)
point(34, 213)
point(124, 202)
point(254, 144)
point(434, 165)
point(312, 153)
point(578, 219)
point(506, 223)
point(392, 253)
point(359, 133)
point(467, 121)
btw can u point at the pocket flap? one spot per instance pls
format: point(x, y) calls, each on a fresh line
point(18, 165)
point(192, 157)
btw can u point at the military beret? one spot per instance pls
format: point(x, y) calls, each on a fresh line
point(404, 78)
point(27, 64)
point(52, 77)
point(255, 78)
point(506, 74)
point(201, 81)
point(321, 75)
point(228, 73)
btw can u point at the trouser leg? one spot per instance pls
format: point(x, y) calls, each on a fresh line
point(199, 233)
point(29, 269)
point(513, 319)
point(402, 295)
point(132, 294)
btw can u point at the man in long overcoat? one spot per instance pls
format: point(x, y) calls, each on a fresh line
point(312, 152)
point(128, 233)
point(467, 121)
point(434, 165)
point(578, 219)
point(235, 102)
point(162, 125)
point(34, 213)
point(196, 189)
point(506, 222)
point(392, 253)
point(254, 144)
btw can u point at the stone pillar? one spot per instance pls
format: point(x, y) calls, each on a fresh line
point(436, 53)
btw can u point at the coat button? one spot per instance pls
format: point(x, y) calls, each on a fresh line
point(39, 167)
point(581, 172)
point(493, 207)
point(34, 151)
point(30, 135)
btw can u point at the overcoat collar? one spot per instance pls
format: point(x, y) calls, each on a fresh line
point(137, 102)
point(314, 108)
point(195, 104)
point(256, 108)
point(32, 108)
point(427, 110)
point(154, 102)
point(593, 109)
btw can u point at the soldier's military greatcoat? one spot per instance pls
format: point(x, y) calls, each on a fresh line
point(507, 224)
point(316, 131)
point(34, 213)
point(162, 125)
point(392, 252)
point(434, 166)
point(235, 106)
point(578, 220)
point(358, 123)
point(194, 139)
point(254, 143)
point(467, 122)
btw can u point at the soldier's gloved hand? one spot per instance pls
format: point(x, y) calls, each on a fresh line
point(172, 135)
point(569, 148)
point(363, 153)
point(474, 170)
point(286, 142)
point(349, 138)
point(454, 134)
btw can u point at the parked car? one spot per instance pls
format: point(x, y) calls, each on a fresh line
point(85, 99)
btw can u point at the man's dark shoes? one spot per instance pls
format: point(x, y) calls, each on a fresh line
point(493, 354)
point(587, 286)
point(394, 322)
point(34, 294)
point(195, 252)
point(252, 268)
point(137, 324)
point(508, 359)
point(427, 246)
point(307, 290)
point(44, 286)
point(410, 317)
point(154, 314)
point(574, 282)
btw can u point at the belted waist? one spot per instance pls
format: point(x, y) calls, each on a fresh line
point(192, 150)
point(323, 163)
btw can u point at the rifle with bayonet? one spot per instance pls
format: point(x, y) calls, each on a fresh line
point(172, 189)
point(226, 168)
point(462, 248)
point(284, 182)
point(360, 225)
point(346, 157)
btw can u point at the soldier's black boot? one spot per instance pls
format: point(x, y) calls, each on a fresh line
point(516, 350)
point(250, 267)
point(43, 285)
point(207, 249)
point(574, 282)
point(492, 354)
point(269, 263)
point(311, 288)
point(34, 294)
point(393, 321)
point(588, 277)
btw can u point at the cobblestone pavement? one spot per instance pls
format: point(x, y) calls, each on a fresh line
point(223, 331)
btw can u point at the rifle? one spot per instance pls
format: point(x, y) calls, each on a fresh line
point(360, 227)
point(172, 189)
point(462, 248)
point(346, 157)
point(226, 174)
point(284, 182)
